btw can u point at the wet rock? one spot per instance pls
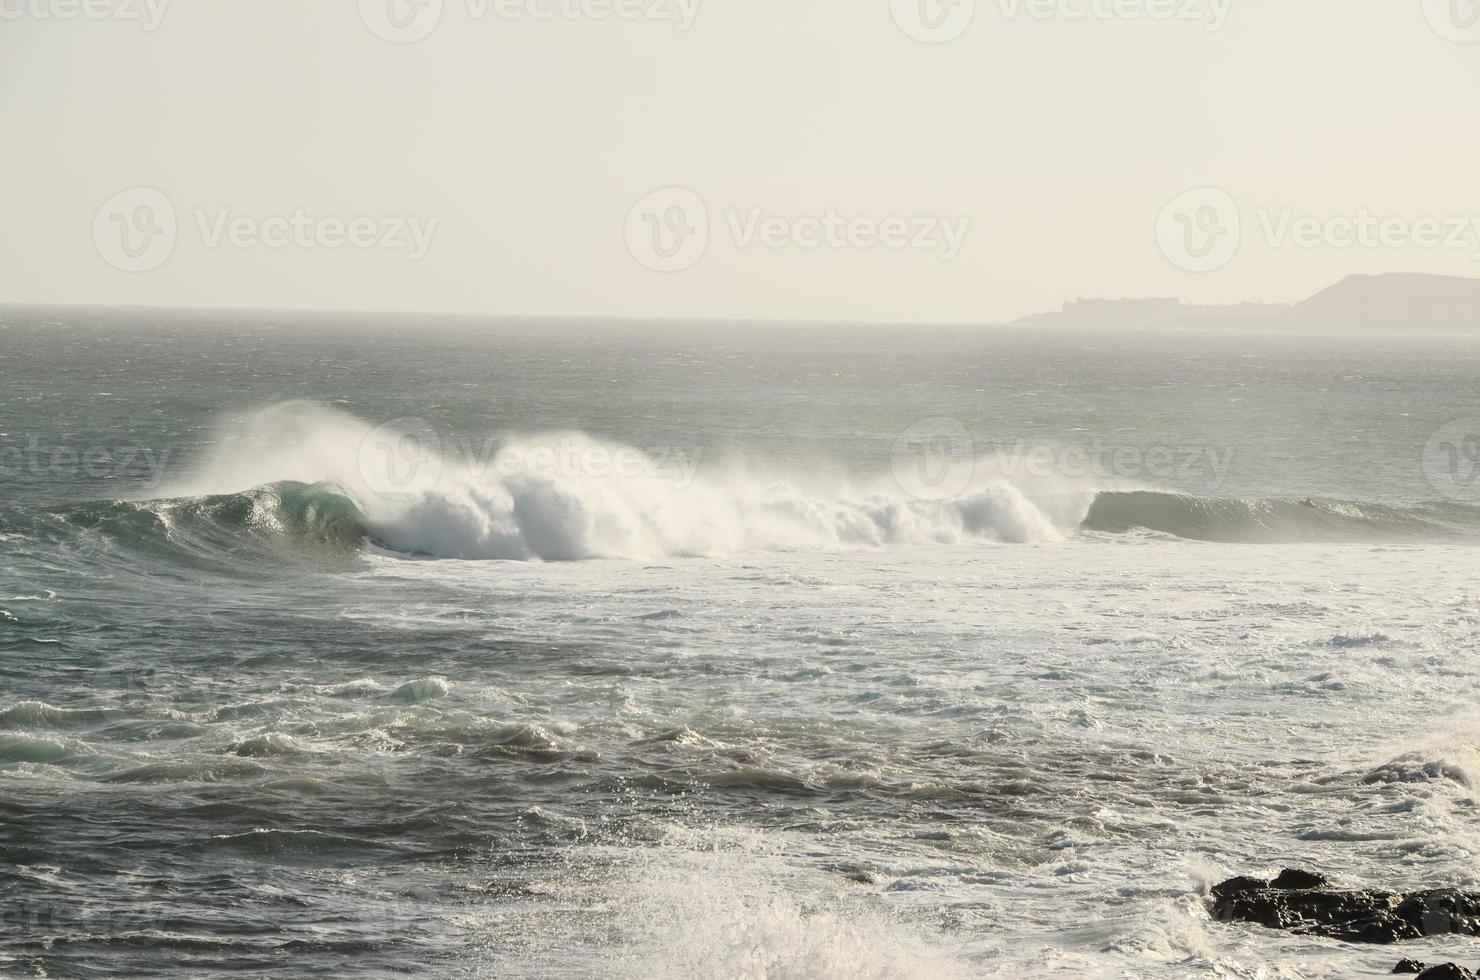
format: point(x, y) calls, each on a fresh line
point(1236, 886)
point(1302, 902)
point(1447, 971)
point(1292, 878)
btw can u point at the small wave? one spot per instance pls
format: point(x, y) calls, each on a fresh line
point(534, 743)
point(186, 772)
point(757, 777)
point(266, 842)
point(1277, 520)
point(40, 715)
point(364, 687)
point(268, 746)
point(420, 691)
point(39, 749)
point(306, 785)
point(683, 735)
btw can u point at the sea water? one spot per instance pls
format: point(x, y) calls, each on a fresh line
point(387, 647)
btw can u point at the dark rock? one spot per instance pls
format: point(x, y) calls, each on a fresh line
point(1446, 971)
point(1362, 916)
point(1409, 966)
point(1292, 878)
point(1235, 886)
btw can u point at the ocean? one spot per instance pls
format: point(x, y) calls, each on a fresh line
point(418, 646)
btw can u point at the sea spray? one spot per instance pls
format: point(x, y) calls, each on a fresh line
point(417, 500)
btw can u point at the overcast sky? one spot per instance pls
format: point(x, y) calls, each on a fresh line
point(833, 159)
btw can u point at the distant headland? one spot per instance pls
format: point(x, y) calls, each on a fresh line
point(1396, 302)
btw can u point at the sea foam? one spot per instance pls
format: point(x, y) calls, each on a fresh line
point(467, 509)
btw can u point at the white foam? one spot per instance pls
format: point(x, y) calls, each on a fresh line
point(722, 903)
point(473, 510)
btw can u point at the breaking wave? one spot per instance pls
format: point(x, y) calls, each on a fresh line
point(332, 475)
point(311, 477)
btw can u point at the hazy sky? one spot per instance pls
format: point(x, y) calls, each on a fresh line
point(842, 159)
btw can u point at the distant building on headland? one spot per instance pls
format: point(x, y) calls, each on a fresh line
point(1149, 312)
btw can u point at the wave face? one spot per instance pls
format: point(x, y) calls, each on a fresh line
point(210, 528)
point(1277, 520)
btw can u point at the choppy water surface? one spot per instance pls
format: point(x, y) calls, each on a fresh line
point(788, 713)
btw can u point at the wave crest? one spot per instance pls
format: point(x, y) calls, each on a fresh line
point(557, 514)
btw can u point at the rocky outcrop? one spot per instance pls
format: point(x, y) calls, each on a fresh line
point(1447, 971)
point(1304, 902)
